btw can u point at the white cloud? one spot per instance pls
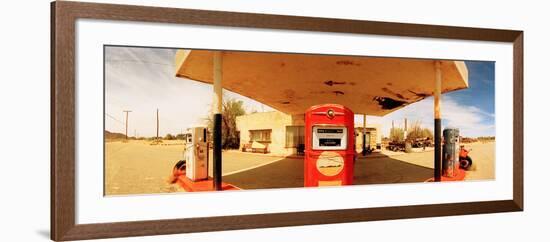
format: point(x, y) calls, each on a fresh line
point(142, 80)
point(471, 120)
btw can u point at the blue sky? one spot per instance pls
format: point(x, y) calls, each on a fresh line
point(471, 110)
point(142, 80)
point(481, 91)
point(480, 94)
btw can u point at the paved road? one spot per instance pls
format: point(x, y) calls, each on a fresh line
point(139, 168)
point(379, 169)
point(234, 161)
point(289, 172)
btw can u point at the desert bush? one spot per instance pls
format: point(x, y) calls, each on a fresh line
point(231, 108)
point(486, 138)
point(180, 136)
point(397, 134)
point(417, 132)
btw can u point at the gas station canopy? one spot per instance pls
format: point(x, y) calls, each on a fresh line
point(291, 83)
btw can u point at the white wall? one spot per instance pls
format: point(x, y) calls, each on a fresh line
point(24, 121)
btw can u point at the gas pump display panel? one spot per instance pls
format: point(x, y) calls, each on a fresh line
point(329, 138)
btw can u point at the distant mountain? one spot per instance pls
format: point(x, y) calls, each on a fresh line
point(110, 135)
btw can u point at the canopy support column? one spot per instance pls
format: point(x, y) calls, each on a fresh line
point(364, 152)
point(437, 122)
point(217, 112)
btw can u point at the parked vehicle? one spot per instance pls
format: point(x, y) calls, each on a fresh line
point(396, 146)
point(465, 160)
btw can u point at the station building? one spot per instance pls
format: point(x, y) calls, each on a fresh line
point(283, 134)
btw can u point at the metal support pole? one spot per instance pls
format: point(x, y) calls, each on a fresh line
point(437, 122)
point(364, 152)
point(217, 112)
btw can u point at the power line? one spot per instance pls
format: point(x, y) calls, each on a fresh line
point(140, 62)
point(110, 116)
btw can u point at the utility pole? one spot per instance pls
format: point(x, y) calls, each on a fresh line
point(157, 123)
point(126, 111)
point(405, 130)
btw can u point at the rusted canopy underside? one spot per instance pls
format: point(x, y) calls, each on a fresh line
point(291, 83)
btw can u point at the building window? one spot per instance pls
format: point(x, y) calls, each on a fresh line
point(262, 136)
point(294, 136)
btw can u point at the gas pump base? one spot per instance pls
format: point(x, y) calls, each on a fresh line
point(202, 186)
point(460, 176)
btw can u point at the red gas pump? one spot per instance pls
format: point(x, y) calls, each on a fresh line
point(330, 146)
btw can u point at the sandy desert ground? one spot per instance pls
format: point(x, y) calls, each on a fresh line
point(482, 154)
point(137, 167)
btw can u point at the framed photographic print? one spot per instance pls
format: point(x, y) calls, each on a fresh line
point(168, 120)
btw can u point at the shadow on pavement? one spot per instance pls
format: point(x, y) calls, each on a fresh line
point(286, 173)
point(387, 170)
point(289, 173)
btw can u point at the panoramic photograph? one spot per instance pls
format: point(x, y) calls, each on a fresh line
point(186, 120)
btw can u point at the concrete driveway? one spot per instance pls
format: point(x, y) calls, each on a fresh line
point(374, 169)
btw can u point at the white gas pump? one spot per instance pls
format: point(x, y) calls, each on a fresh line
point(196, 154)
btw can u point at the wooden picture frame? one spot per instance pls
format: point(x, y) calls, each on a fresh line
point(63, 17)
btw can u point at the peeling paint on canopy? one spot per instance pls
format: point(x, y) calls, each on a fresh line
point(291, 83)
